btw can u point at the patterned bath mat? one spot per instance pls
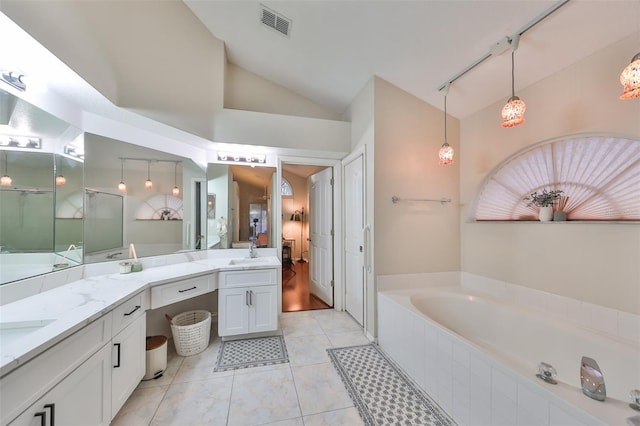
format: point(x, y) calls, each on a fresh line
point(381, 392)
point(254, 352)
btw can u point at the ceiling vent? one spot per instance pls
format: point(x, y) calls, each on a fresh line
point(274, 20)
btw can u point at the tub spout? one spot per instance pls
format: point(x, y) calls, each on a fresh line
point(547, 373)
point(592, 380)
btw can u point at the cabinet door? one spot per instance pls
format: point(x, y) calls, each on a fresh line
point(128, 362)
point(263, 310)
point(233, 311)
point(82, 398)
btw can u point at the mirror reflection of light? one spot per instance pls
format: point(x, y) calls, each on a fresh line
point(470, 298)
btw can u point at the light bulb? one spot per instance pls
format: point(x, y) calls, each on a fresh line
point(122, 187)
point(5, 180)
point(446, 154)
point(175, 191)
point(513, 112)
point(148, 184)
point(630, 79)
point(60, 180)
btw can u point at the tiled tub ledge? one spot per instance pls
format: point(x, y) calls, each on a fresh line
point(442, 336)
point(70, 301)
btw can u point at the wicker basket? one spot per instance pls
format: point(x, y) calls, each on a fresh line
point(190, 332)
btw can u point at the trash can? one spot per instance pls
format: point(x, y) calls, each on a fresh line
point(156, 362)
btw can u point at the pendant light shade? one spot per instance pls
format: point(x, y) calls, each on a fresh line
point(513, 111)
point(148, 184)
point(122, 187)
point(60, 180)
point(445, 154)
point(5, 180)
point(175, 191)
point(630, 79)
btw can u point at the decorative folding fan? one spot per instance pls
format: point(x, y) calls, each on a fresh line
point(160, 205)
point(599, 173)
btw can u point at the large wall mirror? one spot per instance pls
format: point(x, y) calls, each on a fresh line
point(41, 191)
point(141, 196)
point(239, 206)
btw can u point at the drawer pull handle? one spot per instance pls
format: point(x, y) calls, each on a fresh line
point(53, 413)
point(134, 309)
point(246, 298)
point(117, 345)
point(43, 417)
point(187, 289)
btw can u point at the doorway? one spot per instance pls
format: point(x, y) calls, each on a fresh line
point(307, 243)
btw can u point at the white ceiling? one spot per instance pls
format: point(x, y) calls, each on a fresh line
point(336, 46)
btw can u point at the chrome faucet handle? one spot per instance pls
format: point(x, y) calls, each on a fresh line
point(592, 380)
point(635, 399)
point(547, 373)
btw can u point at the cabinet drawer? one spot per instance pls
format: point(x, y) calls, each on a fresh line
point(128, 312)
point(167, 294)
point(251, 277)
point(23, 386)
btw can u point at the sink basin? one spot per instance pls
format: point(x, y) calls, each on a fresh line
point(248, 261)
point(11, 331)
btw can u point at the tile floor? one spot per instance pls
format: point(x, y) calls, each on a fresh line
point(306, 391)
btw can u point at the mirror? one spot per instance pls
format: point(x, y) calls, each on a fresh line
point(41, 203)
point(152, 216)
point(242, 208)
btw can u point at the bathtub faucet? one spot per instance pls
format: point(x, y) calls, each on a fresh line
point(592, 379)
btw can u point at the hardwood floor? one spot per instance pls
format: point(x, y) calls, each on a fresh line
point(295, 290)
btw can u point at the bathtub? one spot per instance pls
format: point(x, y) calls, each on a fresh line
point(477, 357)
point(17, 266)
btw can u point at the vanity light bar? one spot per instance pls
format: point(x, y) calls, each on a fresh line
point(21, 142)
point(74, 151)
point(241, 156)
point(14, 79)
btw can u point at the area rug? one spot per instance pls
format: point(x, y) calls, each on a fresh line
point(254, 352)
point(381, 391)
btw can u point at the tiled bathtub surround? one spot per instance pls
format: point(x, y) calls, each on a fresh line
point(475, 386)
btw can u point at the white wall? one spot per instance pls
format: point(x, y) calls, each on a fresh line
point(593, 262)
point(291, 229)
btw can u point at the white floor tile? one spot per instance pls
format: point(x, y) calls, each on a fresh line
point(140, 407)
point(320, 389)
point(344, 417)
point(307, 350)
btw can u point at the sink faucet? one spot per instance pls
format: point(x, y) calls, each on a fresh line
point(592, 379)
point(252, 248)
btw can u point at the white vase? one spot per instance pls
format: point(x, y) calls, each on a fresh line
point(545, 214)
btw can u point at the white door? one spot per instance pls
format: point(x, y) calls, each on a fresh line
point(354, 240)
point(320, 238)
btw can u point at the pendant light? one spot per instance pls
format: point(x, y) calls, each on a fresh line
point(513, 111)
point(122, 187)
point(6, 180)
point(446, 151)
point(60, 179)
point(175, 191)
point(630, 79)
point(148, 184)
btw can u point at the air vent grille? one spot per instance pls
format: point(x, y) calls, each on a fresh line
point(275, 21)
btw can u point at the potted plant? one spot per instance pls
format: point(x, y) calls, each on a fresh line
point(545, 201)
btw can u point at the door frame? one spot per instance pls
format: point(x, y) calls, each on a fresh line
point(359, 151)
point(338, 258)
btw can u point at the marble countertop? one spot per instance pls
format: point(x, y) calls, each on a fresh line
point(48, 317)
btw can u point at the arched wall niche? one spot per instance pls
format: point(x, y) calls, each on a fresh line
point(599, 173)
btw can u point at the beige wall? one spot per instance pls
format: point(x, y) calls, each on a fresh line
point(155, 58)
point(247, 91)
point(594, 262)
point(413, 237)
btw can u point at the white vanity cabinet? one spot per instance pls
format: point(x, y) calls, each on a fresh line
point(82, 398)
point(127, 350)
point(247, 301)
point(69, 383)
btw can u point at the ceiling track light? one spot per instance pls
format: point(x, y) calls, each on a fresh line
point(446, 152)
point(630, 79)
point(514, 109)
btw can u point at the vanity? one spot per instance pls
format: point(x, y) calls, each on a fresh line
point(75, 353)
